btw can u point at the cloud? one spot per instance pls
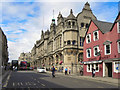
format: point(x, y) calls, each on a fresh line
point(22, 22)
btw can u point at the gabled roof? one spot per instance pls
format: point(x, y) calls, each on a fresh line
point(104, 27)
point(71, 16)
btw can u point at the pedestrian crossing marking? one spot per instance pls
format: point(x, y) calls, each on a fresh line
point(13, 84)
point(42, 84)
point(21, 83)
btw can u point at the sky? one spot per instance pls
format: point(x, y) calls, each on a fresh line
point(23, 20)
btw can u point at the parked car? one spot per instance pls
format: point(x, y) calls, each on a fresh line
point(41, 69)
point(30, 68)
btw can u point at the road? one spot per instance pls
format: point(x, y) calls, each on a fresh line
point(31, 79)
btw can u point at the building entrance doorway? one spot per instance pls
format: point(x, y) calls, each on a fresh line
point(108, 69)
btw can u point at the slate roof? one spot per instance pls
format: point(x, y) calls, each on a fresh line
point(103, 26)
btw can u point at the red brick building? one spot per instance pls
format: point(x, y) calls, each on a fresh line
point(102, 48)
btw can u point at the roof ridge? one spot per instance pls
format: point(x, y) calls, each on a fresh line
point(103, 21)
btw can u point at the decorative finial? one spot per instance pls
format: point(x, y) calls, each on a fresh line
point(53, 13)
point(71, 11)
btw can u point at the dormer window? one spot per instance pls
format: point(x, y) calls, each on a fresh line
point(95, 35)
point(88, 38)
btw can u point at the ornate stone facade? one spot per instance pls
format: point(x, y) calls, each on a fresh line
point(62, 45)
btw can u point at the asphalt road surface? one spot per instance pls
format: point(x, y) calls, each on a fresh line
point(31, 79)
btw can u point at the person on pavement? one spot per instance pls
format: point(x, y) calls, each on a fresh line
point(69, 70)
point(66, 71)
point(53, 72)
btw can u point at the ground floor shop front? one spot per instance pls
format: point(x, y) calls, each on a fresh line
point(103, 68)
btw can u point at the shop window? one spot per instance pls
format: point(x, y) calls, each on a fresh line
point(117, 66)
point(96, 66)
point(88, 68)
point(68, 42)
point(88, 53)
point(88, 39)
point(107, 49)
point(95, 35)
point(82, 24)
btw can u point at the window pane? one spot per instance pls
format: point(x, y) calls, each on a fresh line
point(118, 46)
point(107, 49)
point(73, 42)
point(68, 42)
point(89, 67)
point(96, 51)
point(119, 27)
point(97, 66)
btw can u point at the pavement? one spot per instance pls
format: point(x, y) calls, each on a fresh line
point(97, 79)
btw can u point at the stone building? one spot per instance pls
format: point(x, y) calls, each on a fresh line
point(62, 45)
point(3, 49)
point(25, 57)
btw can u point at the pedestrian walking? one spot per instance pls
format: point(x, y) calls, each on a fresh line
point(66, 71)
point(53, 72)
point(93, 72)
point(69, 70)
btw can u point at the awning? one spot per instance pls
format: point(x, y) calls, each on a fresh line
point(60, 62)
point(90, 62)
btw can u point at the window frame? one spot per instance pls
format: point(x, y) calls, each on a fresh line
point(116, 71)
point(118, 26)
point(87, 52)
point(87, 38)
point(94, 66)
point(97, 50)
point(118, 45)
point(105, 49)
point(94, 35)
point(68, 42)
point(81, 41)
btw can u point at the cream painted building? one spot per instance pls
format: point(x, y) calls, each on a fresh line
point(62, 45)
point(25, 57)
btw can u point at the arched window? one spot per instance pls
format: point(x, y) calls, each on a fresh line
point(73, 23)
point(82, 24)
point(69, 23)
point(68, 42)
